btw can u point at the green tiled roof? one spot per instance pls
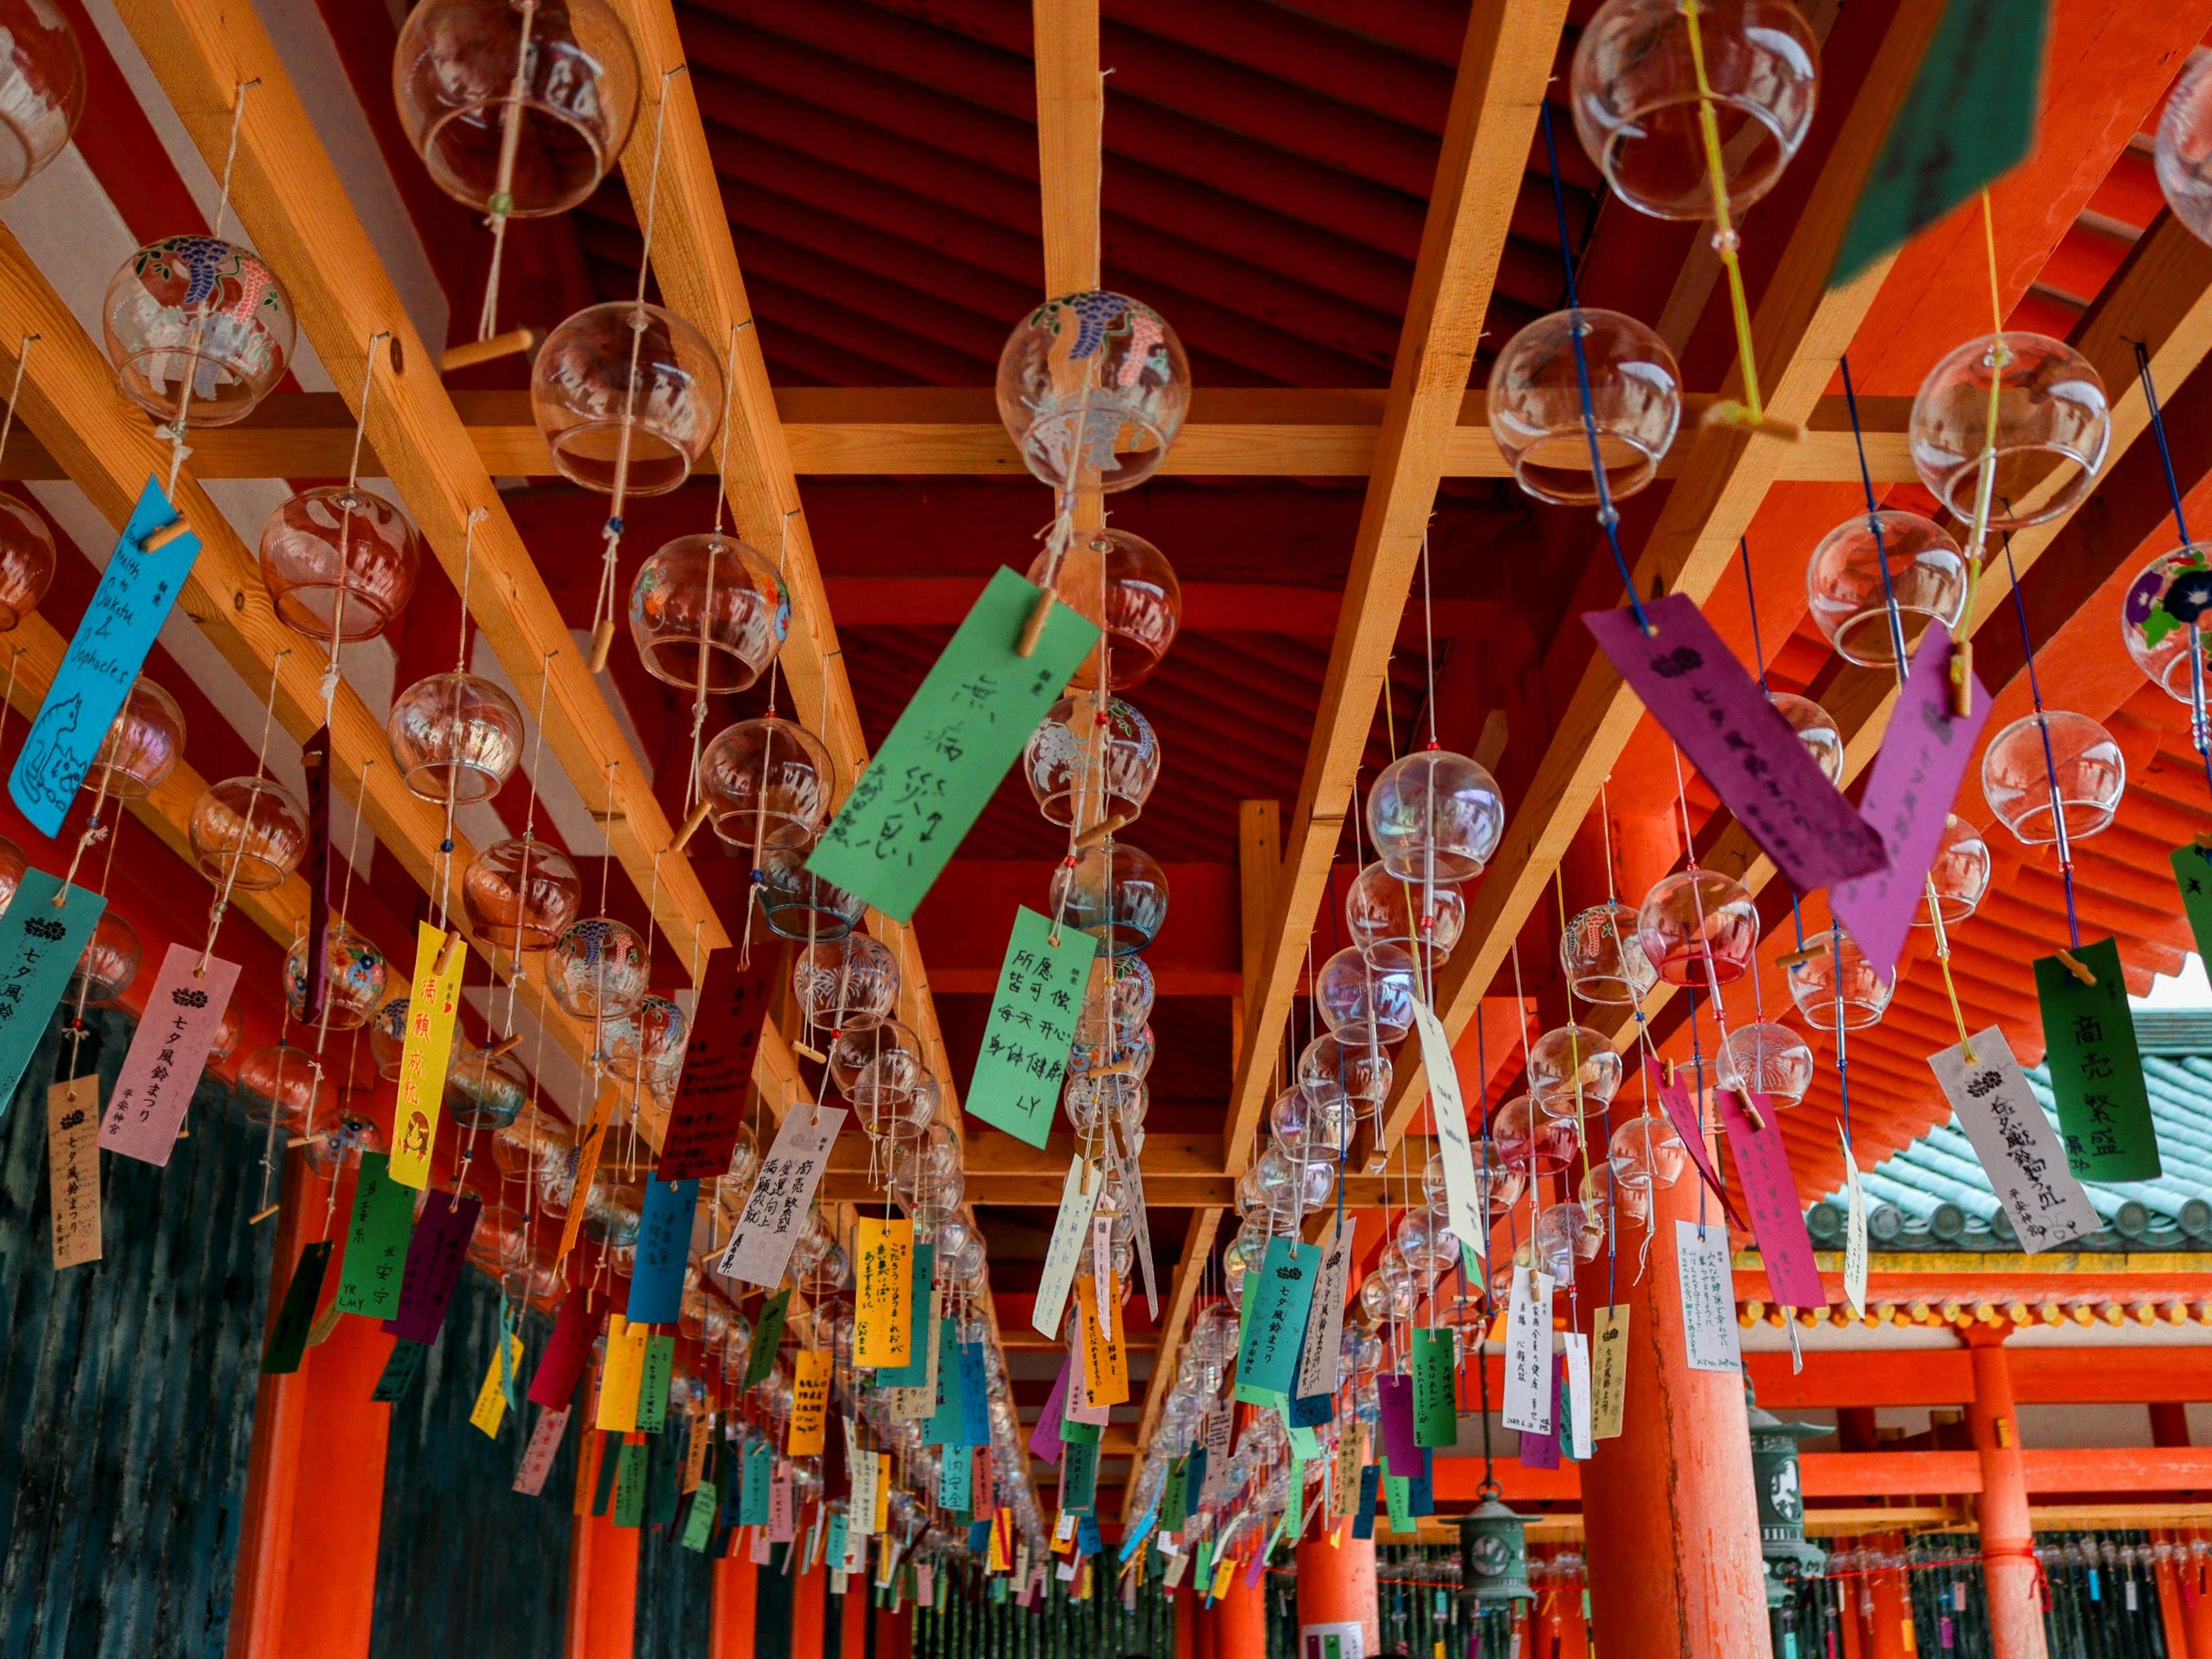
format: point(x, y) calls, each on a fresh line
point(1933, 1194)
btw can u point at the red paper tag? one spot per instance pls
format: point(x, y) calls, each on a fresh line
point(718, 1066)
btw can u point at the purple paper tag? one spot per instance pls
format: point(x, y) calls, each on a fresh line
point(1915, 778)
point(1400, 1444)
point(1044, 1439)
point(566, 1352)
point(1696, 689)
point(1684, 1116)
point(434, 1256)
point(1769, 1191)
point(1542, 1452)
point(184, 1012)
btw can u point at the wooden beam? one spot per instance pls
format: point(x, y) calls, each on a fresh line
point(289, 197)
point(951, 431)
point(1070, 97)
point(1801, 328)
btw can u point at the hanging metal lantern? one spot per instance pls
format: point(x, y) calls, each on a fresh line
point(1493, 1547)
point(1780, 1497)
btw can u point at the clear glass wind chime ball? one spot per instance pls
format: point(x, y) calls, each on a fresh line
point(630, 390)
point(387, 1036)
point(1117, 893)
point(1600, 955)
point(108, 965)
point(1435, 815)
point(1367, 992)
point(846, 986)
point(452, 76)
point(247, 832)
point(339, 559)
point(355, 978)
point(2050, 757)
point(768, 784)
point(200, 312)
point(2053, 427)
point(1124, 586)
point(798, 904)
point(519, 894)
point(144, 743)
point(1347, 1064)
point(1816, 729)
point(485, 1090)
point(1833, 979)
point(1531, 1143)
point(1081, 770)
point(1850, 602)
point(596, 968)
point(1536, 404)
point(1093, 387)
point(278, 1085)
point(1634, 92)
point(2163, 617)
point(41, 89)
point(1647, 1154)
point(1573, 1070)
point(1381, 911)
point(455, 736)
point(1959, 875)
point(13, 864)
point(26, 561)
point(1763, 1058)
point(647, 1042)
point(712, 594)
point(1697, 927)
point(2183, 152)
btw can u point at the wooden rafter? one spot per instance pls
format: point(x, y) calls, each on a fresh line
point(1800, 329)
point(1071, 110)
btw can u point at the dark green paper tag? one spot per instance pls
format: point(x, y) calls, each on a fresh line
point(633, 1467)
point(376, 1241)
point(399, 1372)
point(287, 1337)
point(2096, 1072)
point(767, 1336)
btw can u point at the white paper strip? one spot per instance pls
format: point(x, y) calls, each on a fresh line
point(1528, 1353)
point(1470, 1216)
point(1317, 1365)
point(2019, 1149)
point(760, 1249)
point(1578, 1396)
point(1079, 1195)
point(1708, 1285)
point(1855, 1232)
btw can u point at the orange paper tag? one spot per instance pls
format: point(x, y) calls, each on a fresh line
point(587, 1165)
point(1105, 1367)
point(883, 1296)
point(810, 1401)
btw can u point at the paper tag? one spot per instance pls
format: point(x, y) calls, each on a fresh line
point(699, 1522)
point(1105, 1364)
point(2096, 1071)
point(861, 1466)
point(545, 1446)
point(1708, 1286)
point(566, 1352)
point(1528, 1352)
point(1317, 1360)
point(1023, 1057)
point(584, 1169)
point(1770, 1193)
point(1436, 1415)
point(401, 1367)
point(1401, 1444)
point(1045, 1439)
point(718, 1066)
point(40, 947)
point(73, 1169)
point(436, 1253)
point(757, 1493)
point(968, 722)
point(490, 1409)
point(663, 1249)
point(1684, 1116)
point(632, 1468)
point(1215, 1487)
point(1855, 1232)
point(1610, 1385)
point(1580, 1424)
point(653, 1379)
point(767, 1335)
point(1078, 1195)
point(622, 1375)
point(184, 1012)
point(956, 1472)
point(287, 1336)
point(1272, 1337)
point(760, 1249)
point(810, 1401)
point(1470, 1220)
point(912, 1373)
point(695, 1446)
point(2018, 1148)
point(433, 996)
point(377, 1237)
point(882, 1295)
point(782, 1515)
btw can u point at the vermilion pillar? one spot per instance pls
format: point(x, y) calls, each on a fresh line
point(602, 1588)
point(1185, 1603)
point(1893, 1607)
point(853, 1613)
point(1336, 1586)
point(2007, 1540)
point(1240, 1619)
point(894, 1632)
point(730, 1633)
point(808, 1592)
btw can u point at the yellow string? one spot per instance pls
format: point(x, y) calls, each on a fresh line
point(1985, 488)
point(1574, 1035)
point(1724, 236)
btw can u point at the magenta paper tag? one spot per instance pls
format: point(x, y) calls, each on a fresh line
point(1044, 1439)
point(1685, 1119)
point(566, 1353)
point(1400, 1443)
point(1696, 689)
point(1915, 778)
point(1769, 1192)
point(184, 1012)
point(1542, 1452)
point(537, 1458)
point(434, 1256)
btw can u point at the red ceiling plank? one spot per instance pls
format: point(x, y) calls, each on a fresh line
point(970, 909)
point(1430, 28)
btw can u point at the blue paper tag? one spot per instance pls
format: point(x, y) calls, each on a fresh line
point(1087, 1541)
point(664, 1243)
point(979, 1537)
point(947, 1423)
point(1312, 1411)
point(975, 1405)
point(38, 947)
point(105, 655)
point(1370, 1481)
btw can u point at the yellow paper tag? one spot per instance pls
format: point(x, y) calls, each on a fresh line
point(1609, 1389)
point(1350, 1458)
point(431, 999)
point(1221, 1576)
point(883, 1294)
point(998, 1562)
point(73, 1167)
point(810, 1400)
point(587, 1165)
point(1105, 1367)
point(491, 1399)
point(624, 1373)
point(695, 1454)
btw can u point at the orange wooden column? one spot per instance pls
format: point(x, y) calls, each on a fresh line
point(894, 1632)
point(1893, 1608)
point(314, 1486)
point(1185, 1601)
point(1336, 1586)
point(808, 1592)
point(1205, 1624)
point(730, 1629)
point(602, 1588)
point(1239, 1620)
point(2009, 1570)
point(1556, 1627)
point(853, 1631)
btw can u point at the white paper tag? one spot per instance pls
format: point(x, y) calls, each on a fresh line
point(1134, 1173)
point(1102, 1270)
point(1707, 1277)
point(1317, 1365)
point(1578, 1396)
point(1215, 1488)
point(1855, 1232)
point(1470, 1215)
point(1066, 1571)
point(1528, 1353)
point(544, 1443)
point(1078, 1195)
point(2020, 1151)
point(1796, 1351)
point(1175, 1565)
point(760, 1249)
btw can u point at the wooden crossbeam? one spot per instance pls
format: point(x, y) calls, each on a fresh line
point(1504, 64)
point(1801, 328)
point(288, 195)
point(955, 431)
point(1071, 113)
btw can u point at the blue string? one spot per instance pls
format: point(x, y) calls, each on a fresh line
point(1874, 521)
point(1609, 516)
point(2158, 430)
point(2200, 728)
point(1750, 597)
point(1843, 1058)
point(2049, 761)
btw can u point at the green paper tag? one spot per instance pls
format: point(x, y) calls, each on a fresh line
point(1174, 1496)
point(287, 1337)
point(1304, 1442)
point(1969, 116)
point(971, 718)
point(956, 1481)
point(602, 1493)
point(914, 1373)
point(664, 1481)
point(945, 1426)
point(630, 1475)
point(767, 1336)
point(1078, 1488)
point(1436, 1415)
point(376, 1241)
point(755, 1497)
point(1025, 1045)
point(2192, 872)
point(699, 1524)
point(652, 1392)
point(400, 1370)
point(2089, 1037)
point(1397, 1496)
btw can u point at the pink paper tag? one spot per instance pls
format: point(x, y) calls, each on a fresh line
point(1685, 1119)
point(761, 1544)
point(1542, 1452)
point(782, 1523)
point(434, 1256)
point(1915, 778)
point(183, 1013)
point(1696, 689)
point(554, 1384)
point(1044, 1439)
point(1769, 1191)
point(1400, 1443)
point(537, 1460)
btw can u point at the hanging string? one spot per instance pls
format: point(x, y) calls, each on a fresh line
point(329, 684)
point(1751, 411)
point(1609, 516)
point(2049, 764)
point(15, 391)
point(1999, 359)
point(444, 862)
point(510, 144)
point(178, 424)
point(252, 805)
point(2200, 728)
